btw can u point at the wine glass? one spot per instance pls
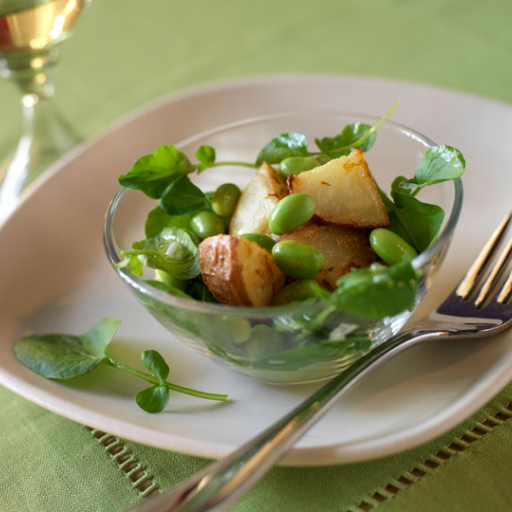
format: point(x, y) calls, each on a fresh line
point(29, 33)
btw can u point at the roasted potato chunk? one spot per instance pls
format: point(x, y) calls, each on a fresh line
point(239, 272)
point(344, 192)
point(257, 201)
point(343, 249)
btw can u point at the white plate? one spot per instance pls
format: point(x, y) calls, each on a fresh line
point(54, 277)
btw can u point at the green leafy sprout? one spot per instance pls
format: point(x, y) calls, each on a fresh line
point(64, 356)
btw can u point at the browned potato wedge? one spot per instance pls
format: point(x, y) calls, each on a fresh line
point(343, 248)
point(257, 201)
point(344, 192)
point(239, 272)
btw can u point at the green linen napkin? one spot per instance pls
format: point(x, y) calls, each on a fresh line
point(52, 464)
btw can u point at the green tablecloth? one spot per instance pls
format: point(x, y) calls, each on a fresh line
point(125, 53)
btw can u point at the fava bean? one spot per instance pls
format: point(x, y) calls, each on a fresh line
point(294, 165)
point(225, 199)
point(297, 260)
point(263, 240)
point(234, 329)
point(391, 247)
point(291, 212)
point(206, 223)
point(297, 291)
point(164, 277)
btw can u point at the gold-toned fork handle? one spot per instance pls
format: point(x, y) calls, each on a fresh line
point(221, 484)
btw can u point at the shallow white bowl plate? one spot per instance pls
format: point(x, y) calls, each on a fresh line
point(54, 277)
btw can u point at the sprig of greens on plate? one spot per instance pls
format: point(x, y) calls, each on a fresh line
point(64, 356)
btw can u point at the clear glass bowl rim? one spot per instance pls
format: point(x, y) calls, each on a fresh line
point(241, 311)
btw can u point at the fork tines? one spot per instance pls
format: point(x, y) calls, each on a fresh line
point(481, 269)
point(506, 292)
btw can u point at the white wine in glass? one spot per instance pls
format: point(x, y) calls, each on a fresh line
point(30, 31)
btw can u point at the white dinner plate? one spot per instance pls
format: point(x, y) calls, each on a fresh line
point(54, 277)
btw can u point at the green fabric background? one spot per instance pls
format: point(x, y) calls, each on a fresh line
point(127, 52)
point(55, 465)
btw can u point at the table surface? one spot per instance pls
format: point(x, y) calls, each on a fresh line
point(124, 54)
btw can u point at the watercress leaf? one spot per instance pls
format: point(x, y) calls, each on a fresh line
point(415, 221)
point(135, 266)
point(172, 250)
point(157, 220)
point(62, 356)
point(283, 146)
point(348, 139)
point(156, 364)
point(199, 291)
point(440, 163)
point(388, 204)
point(183, 197)
point(206, 154)
point(153, 399)
point(164, 287)
point(358, 135)
point(132, 263)
point(332, 146)
point(153, 173)
point(377, 291)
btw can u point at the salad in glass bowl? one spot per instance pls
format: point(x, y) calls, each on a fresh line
point(285, 247)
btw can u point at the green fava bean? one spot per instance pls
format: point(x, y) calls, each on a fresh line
point(164, 277)
point(263, 240)
point(225, 199)
point(390, 247)
point(297, 260)
point(234, 329)
point(294, 165)
point(297, 291)
point(291, 212)
point(206, 223)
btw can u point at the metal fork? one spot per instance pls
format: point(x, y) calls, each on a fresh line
point(472, 309)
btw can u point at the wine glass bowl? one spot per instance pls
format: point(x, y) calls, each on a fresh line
point(301, 342)
point(30, 31)
point(29, 34)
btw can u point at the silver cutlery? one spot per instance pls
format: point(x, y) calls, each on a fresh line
point(479, 306)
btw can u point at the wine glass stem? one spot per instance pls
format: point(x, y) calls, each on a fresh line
point(45, 134)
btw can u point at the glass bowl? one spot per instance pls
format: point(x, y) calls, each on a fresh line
point(296, 343)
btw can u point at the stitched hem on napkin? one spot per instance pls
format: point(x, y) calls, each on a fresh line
point(141, 479)
point(459, 444)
